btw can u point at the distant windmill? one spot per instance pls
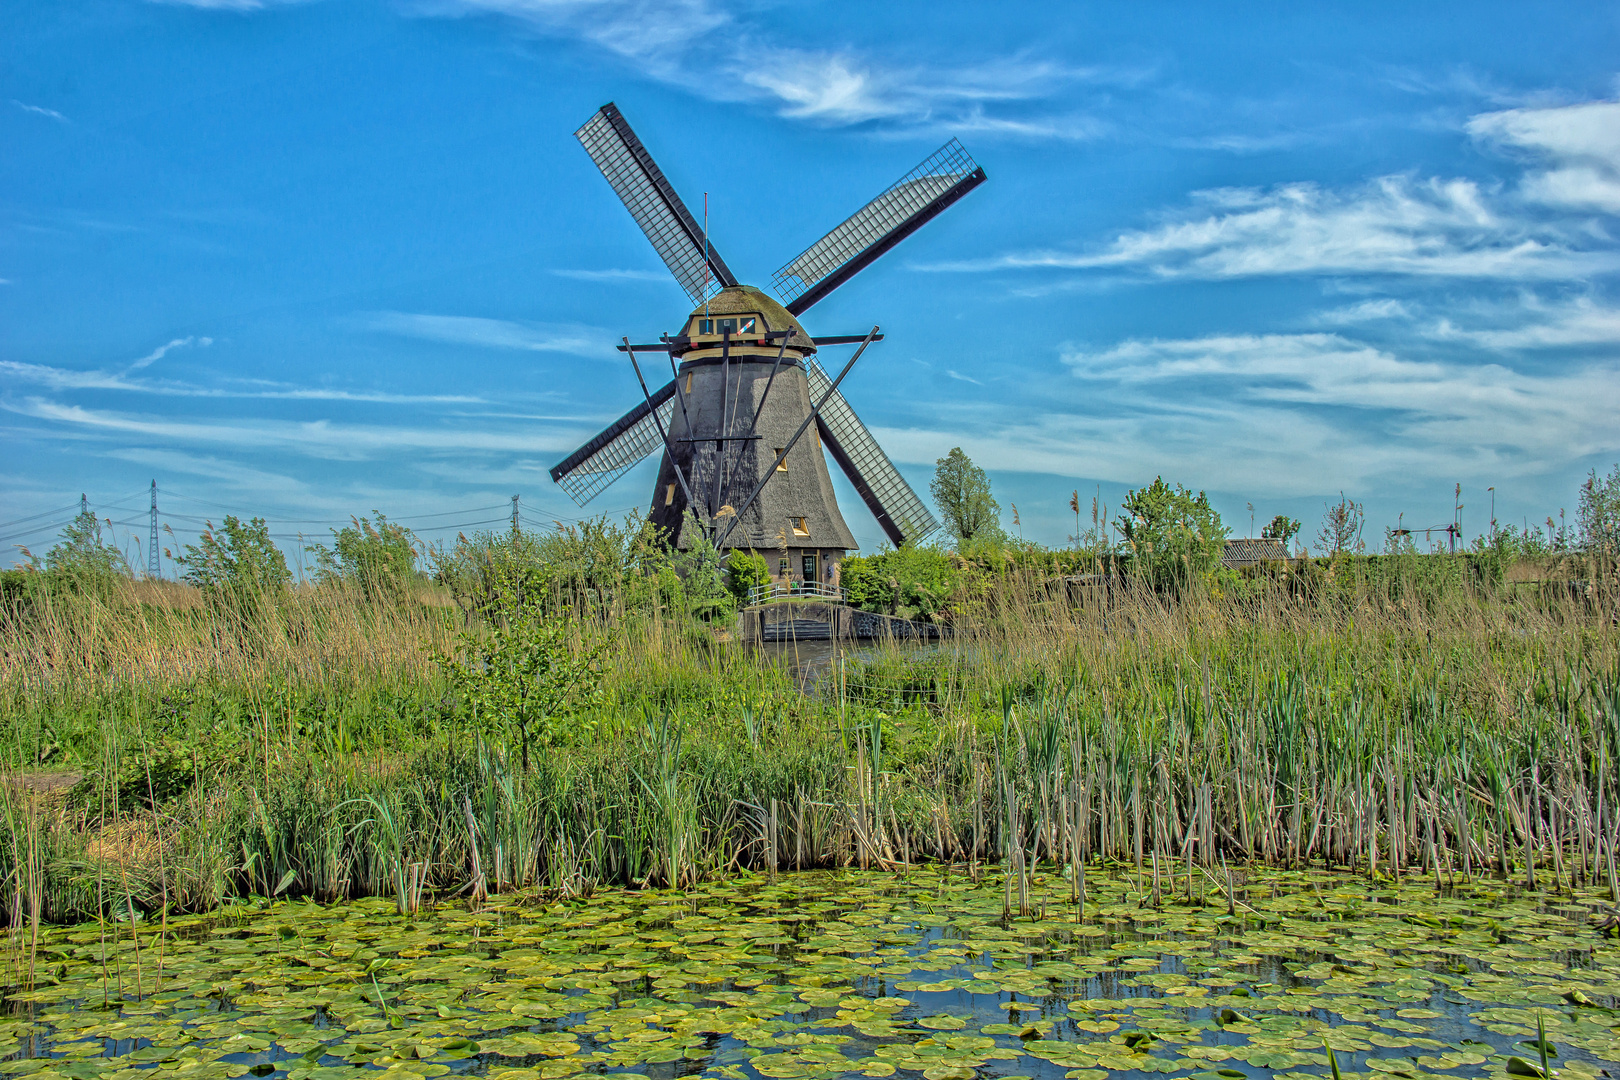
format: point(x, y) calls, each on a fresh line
point(747, 385)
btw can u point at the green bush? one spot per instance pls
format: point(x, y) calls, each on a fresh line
point(745, 572)
point(909, 582)
point(237, 559)
point(379, 557)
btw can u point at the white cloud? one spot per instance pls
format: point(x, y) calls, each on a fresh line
point(1365, 311)
point(1582, 142)
point(163, 350)
point(715, 52)
point(226, 5)
point(56, 378)
point(839, 87)
point(614, 275)
point(1540, 326)
point(1393, 225)
point(317, 439)
point(496, 333)
point(259, 482)
point(40, 110)
point(651, 32)
point(1283, 415)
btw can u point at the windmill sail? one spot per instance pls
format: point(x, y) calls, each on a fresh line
point(641, 186)
point(902, 515)
point(612, 453)
point(909, 203)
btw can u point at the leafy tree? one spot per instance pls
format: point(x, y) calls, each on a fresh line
point(1599, 513)
point(377, 556)
point(961, 490)
point(531, 669)
point(237, 558)
point(81, 556)
point(1171, 534)
point(1282, 527)
point(746, 570)
point(1341, 527)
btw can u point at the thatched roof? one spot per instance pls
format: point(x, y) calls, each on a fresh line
point(745, 299)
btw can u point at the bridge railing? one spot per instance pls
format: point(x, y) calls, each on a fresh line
point(775, 591)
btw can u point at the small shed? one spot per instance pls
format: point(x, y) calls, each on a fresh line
point(1241, 553)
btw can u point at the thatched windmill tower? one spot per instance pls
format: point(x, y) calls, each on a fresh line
point(745, 418)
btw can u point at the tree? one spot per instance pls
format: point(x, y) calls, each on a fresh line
point(527, 669)
point(1341, 527)
point(1282, 527)
point(237, 559)
point(961, 490)
point(378, 557)
point(1599, 513)
point(1172, 534)
point(81, 555)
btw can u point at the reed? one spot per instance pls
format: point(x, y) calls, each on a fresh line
point(164, 753)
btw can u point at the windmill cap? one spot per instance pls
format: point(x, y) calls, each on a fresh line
point(747, 300)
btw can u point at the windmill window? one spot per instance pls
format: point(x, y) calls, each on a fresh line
point(728, 326)
point(800, 527)
point(705, 326)
point(669, 494)
point(747, 326)
point(782, 568)
point(781, 466)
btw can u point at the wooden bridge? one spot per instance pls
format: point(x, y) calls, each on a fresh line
point(819, 620)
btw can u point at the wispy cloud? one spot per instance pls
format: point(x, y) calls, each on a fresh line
point(1364, 312)
point(259, 482)
point(1393, 225)
point(163, 350)
point(614, 275)
point(226, 5)
point(316, 439)
point(58, 378)
point(841, 87)
point(963, 378)
point(40, 110)
point(694, 44)
point(1582, 143)
point(1532, 324)
point(1283, 415)
point(568, 338)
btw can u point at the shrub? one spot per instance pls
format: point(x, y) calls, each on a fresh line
point(909, 582)
point(378, 557)
point(236, 559)
point(745, 572)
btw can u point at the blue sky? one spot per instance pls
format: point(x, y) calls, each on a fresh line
point(307, 260)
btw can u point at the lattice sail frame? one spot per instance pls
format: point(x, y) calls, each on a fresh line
point(942, 178)
point(651, 200)
point(909, 514)
point(619, 448)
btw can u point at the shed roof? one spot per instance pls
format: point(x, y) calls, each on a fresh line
point(1250, 552)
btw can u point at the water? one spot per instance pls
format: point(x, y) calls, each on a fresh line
point(838, 974)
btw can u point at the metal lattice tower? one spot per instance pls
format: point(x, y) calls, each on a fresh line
point(153, 567)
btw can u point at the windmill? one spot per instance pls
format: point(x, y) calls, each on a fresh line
point(745, 387)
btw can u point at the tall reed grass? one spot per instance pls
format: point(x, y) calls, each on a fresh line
point(164, 754)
